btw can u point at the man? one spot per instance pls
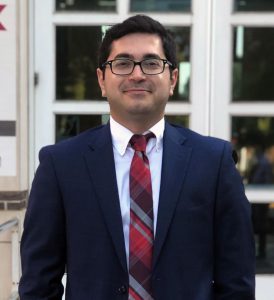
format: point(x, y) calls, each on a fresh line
point(138, 209)
point(262, 173)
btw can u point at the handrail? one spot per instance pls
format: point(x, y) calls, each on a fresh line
point(15, 263)
point(9, 224)
point(14, 296)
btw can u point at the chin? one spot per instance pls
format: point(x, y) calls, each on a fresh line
point(140, 109)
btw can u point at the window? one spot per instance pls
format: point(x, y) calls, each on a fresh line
point(84, 5)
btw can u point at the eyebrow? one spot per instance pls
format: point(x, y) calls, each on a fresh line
point(129, 56)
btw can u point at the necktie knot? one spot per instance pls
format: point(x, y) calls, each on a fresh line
point(139, 142)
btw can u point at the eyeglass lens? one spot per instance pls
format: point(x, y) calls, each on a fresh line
point(148, 66)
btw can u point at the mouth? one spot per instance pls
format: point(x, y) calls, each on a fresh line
point(137, 91)
point(136, 88)
point(137, 94)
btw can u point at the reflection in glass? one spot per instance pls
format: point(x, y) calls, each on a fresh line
point(182, 39)
point(253, 72)
point(253, 5)
point(253, 139)
point(263, 224)
point(67, 126)
point(178, 120)
point(76, 62)
point(160, 5)
point(83, 5)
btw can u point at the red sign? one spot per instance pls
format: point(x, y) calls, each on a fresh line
point(2, 6)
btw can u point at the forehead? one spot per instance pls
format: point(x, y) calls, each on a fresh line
point(137, 46)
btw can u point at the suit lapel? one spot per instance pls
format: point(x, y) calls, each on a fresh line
point(174, 167)
point(100, 162)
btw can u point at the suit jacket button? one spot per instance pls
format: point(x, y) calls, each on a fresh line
point(122, 289)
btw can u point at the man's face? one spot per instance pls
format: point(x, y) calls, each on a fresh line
point(137, 96)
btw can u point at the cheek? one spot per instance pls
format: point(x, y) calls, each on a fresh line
point(112, 90)
point(112, 85)
point(165, 85)
point(165, 89)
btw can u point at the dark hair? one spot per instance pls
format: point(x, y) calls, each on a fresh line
point(138, 24)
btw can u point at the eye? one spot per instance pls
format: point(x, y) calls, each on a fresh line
point(121, 63)
point(152, 63)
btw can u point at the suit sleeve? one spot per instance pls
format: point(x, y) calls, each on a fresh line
point(234, 243)
point(43, 242)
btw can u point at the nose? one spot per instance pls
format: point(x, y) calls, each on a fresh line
point(137, 73)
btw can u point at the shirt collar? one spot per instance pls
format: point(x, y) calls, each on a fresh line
point(121, 135)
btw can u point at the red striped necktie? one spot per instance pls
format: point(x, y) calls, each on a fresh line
point(141, 222)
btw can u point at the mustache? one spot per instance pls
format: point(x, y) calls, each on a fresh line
point(138, 86)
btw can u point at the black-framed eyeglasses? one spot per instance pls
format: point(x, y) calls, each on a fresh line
point(125, 66)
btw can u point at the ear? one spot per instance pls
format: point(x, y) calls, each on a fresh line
point(173, 81)
point(101, 81)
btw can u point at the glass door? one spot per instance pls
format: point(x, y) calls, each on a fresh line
point(67, 98)
point(242, 110)
point(225, 88)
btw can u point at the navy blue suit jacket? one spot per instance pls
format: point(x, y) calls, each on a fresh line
point(203, 248)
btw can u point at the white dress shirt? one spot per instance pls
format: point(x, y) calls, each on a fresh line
point(123, 154)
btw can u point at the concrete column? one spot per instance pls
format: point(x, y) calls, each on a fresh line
point(13, 126)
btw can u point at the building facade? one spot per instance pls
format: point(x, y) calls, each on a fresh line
point(49, 91)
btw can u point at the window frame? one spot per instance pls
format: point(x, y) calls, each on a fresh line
point(44, 106)
point(222, 109)
point(209, 108)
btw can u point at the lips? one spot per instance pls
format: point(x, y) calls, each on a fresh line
point(135, 89)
